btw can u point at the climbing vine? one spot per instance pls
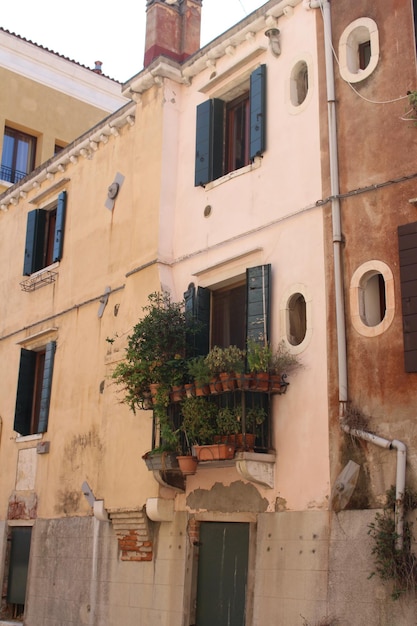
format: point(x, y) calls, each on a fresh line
point(397, 565)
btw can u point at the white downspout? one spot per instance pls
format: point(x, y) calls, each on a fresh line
point(324, 5)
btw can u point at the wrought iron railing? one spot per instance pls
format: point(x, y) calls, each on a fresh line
point(11, 175)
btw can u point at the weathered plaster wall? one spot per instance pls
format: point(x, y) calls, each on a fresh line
point(76, 576)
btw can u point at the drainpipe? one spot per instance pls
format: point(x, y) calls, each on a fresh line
point(334, 191)
point(400, 477)
point(324, 5)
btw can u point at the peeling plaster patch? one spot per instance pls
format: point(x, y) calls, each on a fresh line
point(26, 469)
point(238, 496)
point(280, 505)
point(22, 506)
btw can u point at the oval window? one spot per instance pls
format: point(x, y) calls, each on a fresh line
point(358, 50)
point(372, 300)
point(297, 319)
point(299, 83)
point(373, 305)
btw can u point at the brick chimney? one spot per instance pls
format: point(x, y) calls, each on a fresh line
point(172, 29)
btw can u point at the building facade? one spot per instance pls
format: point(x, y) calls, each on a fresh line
point(47, 102)
point(237, 177)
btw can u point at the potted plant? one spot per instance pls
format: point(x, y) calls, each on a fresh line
point(155, 355)
point(226, 363)
point(282, 363)
point(259, 355)
point(199, 425)
point(198, 370)
point(228, 423)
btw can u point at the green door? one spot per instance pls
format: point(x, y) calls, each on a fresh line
point(222, 574)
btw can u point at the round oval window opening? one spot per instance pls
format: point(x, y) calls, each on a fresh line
point(297, 319)
point(373, 298)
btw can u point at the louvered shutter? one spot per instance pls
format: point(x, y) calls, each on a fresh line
point(203, 317)
point(258, 302)
point(59, 227)
point(209, 141)
point(257, 112)
point(46, 386)
point(35, 238)
point(24, 396)
point(197, 304)
point(407, 244)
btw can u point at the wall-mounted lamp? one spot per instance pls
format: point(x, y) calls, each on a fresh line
point(273, 35)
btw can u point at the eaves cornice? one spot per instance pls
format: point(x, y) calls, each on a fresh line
point(82, 148)
point(262, 19)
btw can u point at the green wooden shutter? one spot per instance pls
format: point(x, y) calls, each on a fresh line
point(35, 237)
point(46, 386)
point(24, 396)
point(203, 317)
point(407, 244)
point(257, 112)
point(258, 302)
point(197, 304)
point(59, 226)
point(209, 141)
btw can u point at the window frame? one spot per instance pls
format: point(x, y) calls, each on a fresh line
point(10, 161)
point(212, 144)
point(45, 236)
point(34, 389)
point(358, 32)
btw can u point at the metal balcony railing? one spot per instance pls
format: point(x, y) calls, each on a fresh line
point(11, 175)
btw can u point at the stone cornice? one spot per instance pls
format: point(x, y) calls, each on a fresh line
point(83, 147)
point(264, 18)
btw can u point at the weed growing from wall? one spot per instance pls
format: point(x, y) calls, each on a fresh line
point(392, 564)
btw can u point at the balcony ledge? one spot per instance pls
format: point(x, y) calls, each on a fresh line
point(256, 468)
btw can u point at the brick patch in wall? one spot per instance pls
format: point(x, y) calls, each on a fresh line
point(133, 534)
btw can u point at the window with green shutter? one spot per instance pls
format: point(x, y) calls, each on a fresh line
point(234, 314)
point(230, 134)
point(44, 236)
point(34, 390)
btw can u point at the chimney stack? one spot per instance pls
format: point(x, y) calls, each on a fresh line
point(172, 29)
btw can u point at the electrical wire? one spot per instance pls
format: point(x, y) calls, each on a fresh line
point(350, 84)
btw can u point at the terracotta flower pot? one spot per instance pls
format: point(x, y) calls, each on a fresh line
point(214, 452)
point(188, 464)
point(228, 380)
point(202, 390)
point(215, 385)
point(190, 390)
point(245, 442)
point(177, 393)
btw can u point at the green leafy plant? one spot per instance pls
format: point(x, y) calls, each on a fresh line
point(255, 416)
point(199, 420)
point(394, 564)
point(199, 370)
point(259, 355)
point(229, 359)
point(228, 420)
point(156, 349)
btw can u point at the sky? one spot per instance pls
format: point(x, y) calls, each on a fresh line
point(103, 30)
